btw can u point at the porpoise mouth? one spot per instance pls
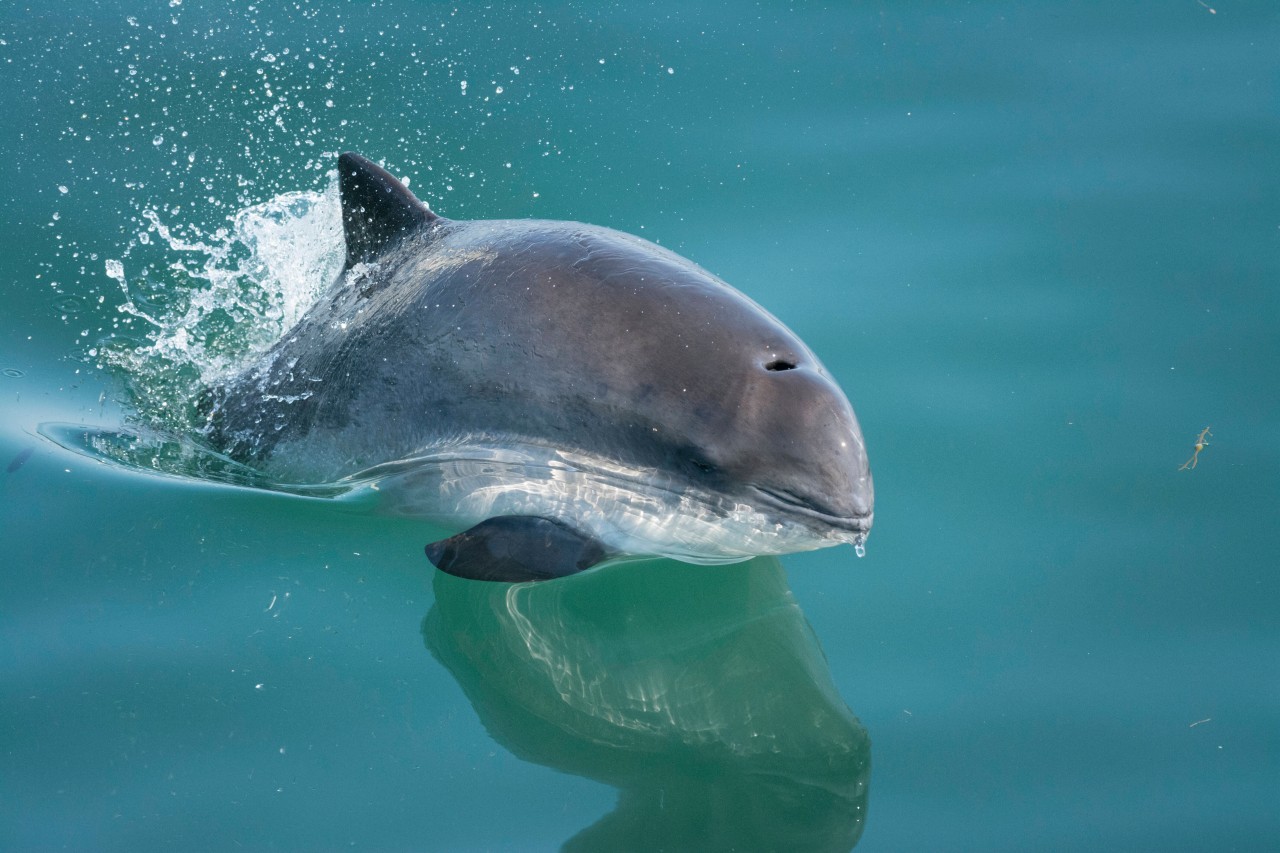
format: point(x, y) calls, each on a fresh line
point(815, 514)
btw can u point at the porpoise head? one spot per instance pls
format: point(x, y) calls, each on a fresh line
point(723, 392)
point(797, 444)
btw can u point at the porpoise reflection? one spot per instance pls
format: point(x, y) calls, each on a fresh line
point(701, 694)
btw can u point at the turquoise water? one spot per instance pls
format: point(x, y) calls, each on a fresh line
point(1039, 246)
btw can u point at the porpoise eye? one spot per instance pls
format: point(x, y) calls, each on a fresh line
point(780, 364)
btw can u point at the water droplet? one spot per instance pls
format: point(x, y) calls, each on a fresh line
point(63, 190)
point(67, 305)
point(158, 141)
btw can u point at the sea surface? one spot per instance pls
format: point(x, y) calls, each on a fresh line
point(1037, 243)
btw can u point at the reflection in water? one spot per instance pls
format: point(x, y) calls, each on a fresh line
point(700, 692)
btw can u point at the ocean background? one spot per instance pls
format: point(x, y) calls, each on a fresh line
point(1037, 243)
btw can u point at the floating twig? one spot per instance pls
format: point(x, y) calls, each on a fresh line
point(1202, 441)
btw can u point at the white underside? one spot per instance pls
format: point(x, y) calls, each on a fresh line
point(633, 511)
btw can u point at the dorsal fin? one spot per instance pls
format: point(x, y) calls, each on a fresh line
point(376, 208)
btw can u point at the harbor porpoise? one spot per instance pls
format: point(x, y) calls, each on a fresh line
point(567, 392)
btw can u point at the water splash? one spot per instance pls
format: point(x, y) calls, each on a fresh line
point(198, 307)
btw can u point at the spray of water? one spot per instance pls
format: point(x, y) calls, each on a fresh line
point(198, 307)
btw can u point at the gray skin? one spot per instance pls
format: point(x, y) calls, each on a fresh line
point(544, 334)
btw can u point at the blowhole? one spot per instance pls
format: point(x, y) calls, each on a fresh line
point(780, 364)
